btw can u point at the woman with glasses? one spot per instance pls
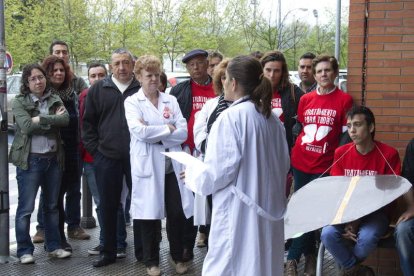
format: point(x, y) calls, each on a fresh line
point(38, 155)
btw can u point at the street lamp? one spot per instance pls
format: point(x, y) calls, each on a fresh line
point(315, 13)
point(281, 22)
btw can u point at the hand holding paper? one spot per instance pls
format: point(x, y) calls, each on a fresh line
point(192, 165)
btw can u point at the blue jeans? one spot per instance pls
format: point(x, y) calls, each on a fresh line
point(305, 244)
point(404, 239)
point(121, 233)
point(371, 229)
point(43, 172)
point(71, 186)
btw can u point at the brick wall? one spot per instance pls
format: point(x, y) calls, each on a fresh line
point(390, 66)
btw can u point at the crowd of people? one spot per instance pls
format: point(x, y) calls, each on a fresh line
point(255, 131)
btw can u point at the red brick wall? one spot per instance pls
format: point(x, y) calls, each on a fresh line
point(390, 66)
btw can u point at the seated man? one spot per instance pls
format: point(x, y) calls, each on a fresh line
point(404, 233)
point(364, 156)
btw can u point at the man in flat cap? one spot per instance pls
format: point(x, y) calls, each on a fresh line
point(191, 96)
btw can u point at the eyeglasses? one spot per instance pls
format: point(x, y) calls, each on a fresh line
point(196, 64)
point(35, 78)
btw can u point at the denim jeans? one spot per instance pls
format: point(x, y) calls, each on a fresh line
point(71, 185)
point(121, 234)
point(404, 239)
point(305, 244)
point(371, 229)
point(43, 172)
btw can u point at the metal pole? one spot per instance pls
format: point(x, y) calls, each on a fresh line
point(338, 30)
point(279, 25)
point(87, 220)
point(4, 166)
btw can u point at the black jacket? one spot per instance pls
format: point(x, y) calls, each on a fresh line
point(105, 128)
point(182, 92)
point(290, 102)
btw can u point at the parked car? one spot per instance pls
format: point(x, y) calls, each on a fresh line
point(13, 88)
point(294, 77)
point(175, 78)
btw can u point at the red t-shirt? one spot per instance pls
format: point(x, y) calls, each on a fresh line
point(200, 94)
point(324, 119)
point(277, 106)
point(349, 162)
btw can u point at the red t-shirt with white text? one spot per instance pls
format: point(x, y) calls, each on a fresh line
point(324, 119)
point(200, 94)
point(277, 106)
point(349, 162)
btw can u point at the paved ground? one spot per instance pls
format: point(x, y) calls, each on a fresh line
point(81, 263)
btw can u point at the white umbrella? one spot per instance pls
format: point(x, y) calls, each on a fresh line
point(340, 199)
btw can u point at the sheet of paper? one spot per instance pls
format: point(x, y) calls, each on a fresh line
point(193, 166)
point(183, 158)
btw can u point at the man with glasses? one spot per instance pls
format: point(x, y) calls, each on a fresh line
point(191, 96)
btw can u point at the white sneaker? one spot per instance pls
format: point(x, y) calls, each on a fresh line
point(181, 268)
point(59, 253)
point(153, 271)
point(27, 259)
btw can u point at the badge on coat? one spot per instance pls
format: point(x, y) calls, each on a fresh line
point(166, 112)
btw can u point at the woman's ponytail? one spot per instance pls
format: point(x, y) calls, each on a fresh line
point(249, 74)
point(262, 96)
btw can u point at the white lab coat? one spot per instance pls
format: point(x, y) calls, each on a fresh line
point(202, 214)
point(245, 169)
point(200, 122)
point(147, 162)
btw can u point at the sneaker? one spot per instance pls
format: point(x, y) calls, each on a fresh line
point(78, 233)
point(27, 259)
point(121, 253)
point(153, 271)
point(201, 241)
point(96, 250)
point(59, 253)
point(310, 265)
point(181, 268)
point(291, 268)
point(39, 237)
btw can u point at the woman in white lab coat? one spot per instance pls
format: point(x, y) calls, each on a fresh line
point(156, 125)
point(245, 169)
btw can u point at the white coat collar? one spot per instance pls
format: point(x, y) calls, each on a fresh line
point(163, 100)
point(242, 99)
point(162, 96)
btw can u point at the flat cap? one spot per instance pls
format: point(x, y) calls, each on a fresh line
point(194, 53)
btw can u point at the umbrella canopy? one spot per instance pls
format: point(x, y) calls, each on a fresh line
point(340, 199)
